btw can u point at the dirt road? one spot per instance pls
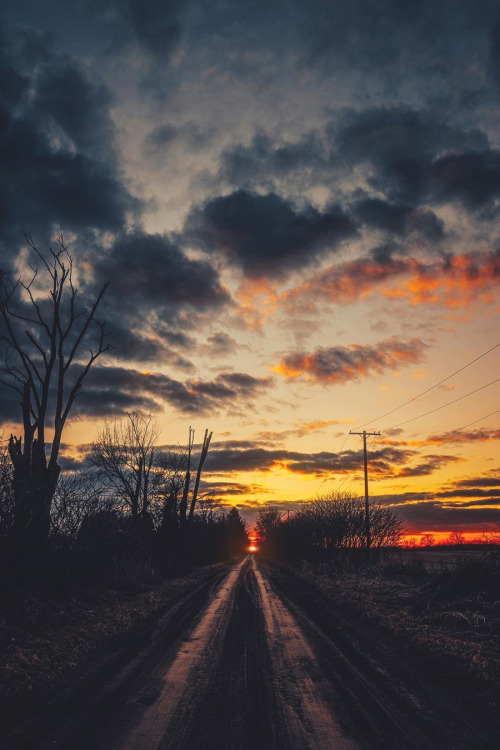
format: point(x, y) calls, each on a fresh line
point(258, 662)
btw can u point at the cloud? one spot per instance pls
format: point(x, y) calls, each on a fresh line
point(115, 390)
point(264, 161)
point(231, 460)
point(341, 364)
point(231, 489)
point(393, 40)
point(57, 142)
point(164, 137)
point(428, 465)
point(452, 281)
point(266, 235)
point(220, 343)
point(430, 515)
point(10, 404)
point(155, 291)
point(155, 26)
point(494, 50)
point(399, 219)
point(418, 158)
point(153, 270)
point(262, 456)
point(462, 436)
point(464, 503)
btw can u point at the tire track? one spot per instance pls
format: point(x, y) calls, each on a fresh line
point(301, 687)
point(187, 678)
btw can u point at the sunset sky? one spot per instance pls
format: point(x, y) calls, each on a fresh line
point(297, 205)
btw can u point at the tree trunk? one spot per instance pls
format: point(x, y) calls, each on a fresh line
point(34, 487)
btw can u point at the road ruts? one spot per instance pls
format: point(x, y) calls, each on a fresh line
point(257, 665)
point(245, 677)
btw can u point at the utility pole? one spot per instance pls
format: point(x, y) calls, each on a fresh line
point(364, 435)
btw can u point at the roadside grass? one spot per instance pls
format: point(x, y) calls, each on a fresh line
point(50, 639)
point(449, 618)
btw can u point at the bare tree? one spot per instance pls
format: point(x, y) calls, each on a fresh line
point(43, 340)
point(78, 496)
point(268, 520)
point(123, 455)
point(169, 482)
point(337, 522)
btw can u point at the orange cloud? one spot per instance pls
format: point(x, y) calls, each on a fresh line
point(340, 364)
point(453, 282)
point(257, 300)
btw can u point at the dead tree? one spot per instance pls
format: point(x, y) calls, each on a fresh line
point(203, 455)
point(184, 518)
point(187, 481)
point(43, 340)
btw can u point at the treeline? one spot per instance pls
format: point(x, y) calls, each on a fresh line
point(324, 527)
point(134, 510)
point(134, 507)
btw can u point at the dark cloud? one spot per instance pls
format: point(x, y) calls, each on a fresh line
point(478, 482)
point(432, 516)
point(266, 235)
point(151, 270)
point(416, 157)
point(56, 145)
point(342, 364)
point(221, 343)
point(155, 291)
point(472, 178)
point(464, 436)
point(495, 51)
point(115, 390)
point(229, 460)
point(10, 404)
point(392, 136)
point(492, 495)
point(398, 218)
point(155, 24)
point(264, 161)
point(238, 456)
point(463, 504)
point(163, 137)
point(230, 489)
point(428, 465)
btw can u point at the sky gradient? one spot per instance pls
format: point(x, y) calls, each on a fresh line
point(297, 206)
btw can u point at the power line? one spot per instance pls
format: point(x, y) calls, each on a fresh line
point(461, 369)
point(443, 406)
point(327, 479)
point(477, 420)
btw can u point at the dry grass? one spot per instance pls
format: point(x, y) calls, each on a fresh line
point(48, 643)
point(450, 619)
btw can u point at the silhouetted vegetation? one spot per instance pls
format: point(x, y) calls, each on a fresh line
point(44, 340)
point(120, 519)
point(326, 526)
point(133, 510)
